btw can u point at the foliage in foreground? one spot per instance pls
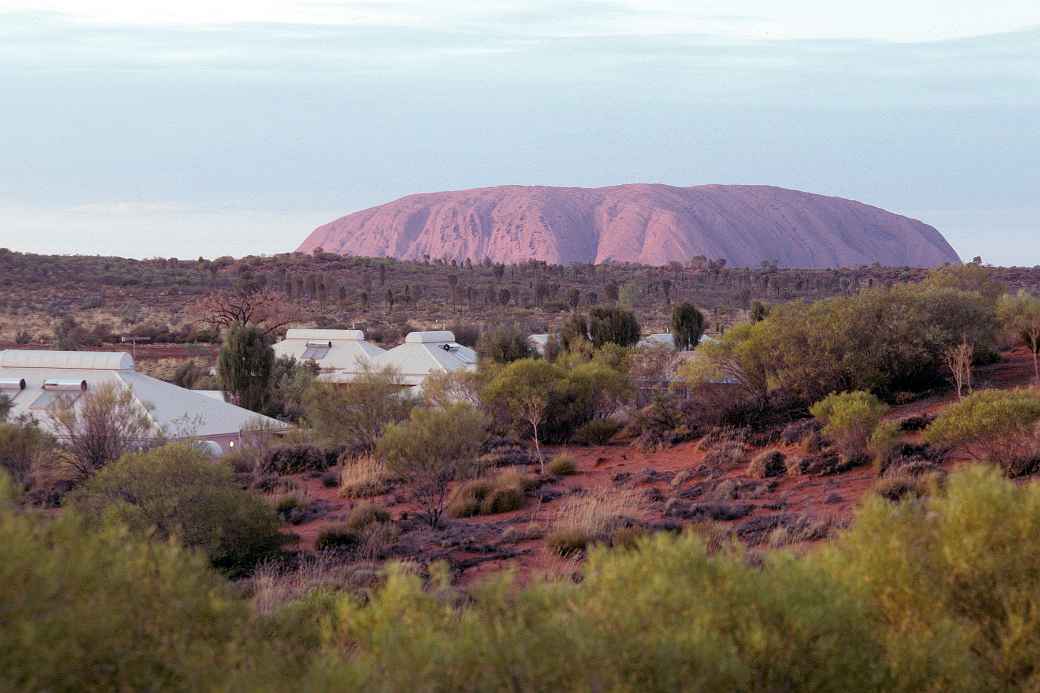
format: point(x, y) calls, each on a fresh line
point(177, 491)
point(939, 593)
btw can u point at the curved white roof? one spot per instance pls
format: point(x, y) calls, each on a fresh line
point(76, 360)
point(181, 413)
point(432, 337)
point(326, 335)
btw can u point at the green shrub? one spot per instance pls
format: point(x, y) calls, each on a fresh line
point(180, 493)
point(563, 465)
point(995, 425)
point(596, 432)
point(883, 443)
point(432, 449)
point(767, 464)
point(503, 344)
point(884, 340)
point(97, 607)
point(849, 419)
point(337, 539)
point(365, 514)
point(21, 445)
point(295, 459)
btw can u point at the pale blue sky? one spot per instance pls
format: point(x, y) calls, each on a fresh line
point(152, 128)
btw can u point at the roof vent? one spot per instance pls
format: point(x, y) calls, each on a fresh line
point(65, 385)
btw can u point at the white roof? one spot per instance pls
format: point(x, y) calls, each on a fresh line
point(326, 335)
point(63, 360)
point(538, 342)
point(660, 338)
point(666, 339)
point(426, 352)
point(338, 353)
point(175, 410)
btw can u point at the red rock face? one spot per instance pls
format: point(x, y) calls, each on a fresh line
point(648, 224)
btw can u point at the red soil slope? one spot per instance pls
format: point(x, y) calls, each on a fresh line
point(812, 506)
point(647, 224)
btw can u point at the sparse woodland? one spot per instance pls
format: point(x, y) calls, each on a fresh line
point(836, 493)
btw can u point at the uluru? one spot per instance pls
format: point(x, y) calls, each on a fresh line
point(640, 223)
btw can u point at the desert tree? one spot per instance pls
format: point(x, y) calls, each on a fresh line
point(355, 414)
point(101, 426)
point(958, 361)
point(613, 326)
point(525, 389)
point(245, 365)
point(433, 448)
point(265, 309)
point(687, 326)
point(504, 343)
point(1020, 315)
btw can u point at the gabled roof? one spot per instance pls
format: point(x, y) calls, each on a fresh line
point(426, 352)
point(179, 412)
point(338, 353)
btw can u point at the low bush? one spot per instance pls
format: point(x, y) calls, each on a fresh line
point(884, 444)
point(567, 541)
point(849, 419)
point(995, 425)
point(489, 496)
point(365, 514)
point(912, 424)
point(727, 455)
point(337, 539)
point(596, 432)
point(295, 459)
point(296, 510)
point(95, 607)
point(563, 465)
point(797, 431)
point(896, 488)
point(502, 500)
point(661, 424)
point(767, 464)
point(178, 492)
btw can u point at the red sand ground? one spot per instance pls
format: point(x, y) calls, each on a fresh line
point(829, 498)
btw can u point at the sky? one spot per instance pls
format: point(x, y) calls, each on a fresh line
point(189, 128)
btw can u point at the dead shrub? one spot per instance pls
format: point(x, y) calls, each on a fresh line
point(727, 455)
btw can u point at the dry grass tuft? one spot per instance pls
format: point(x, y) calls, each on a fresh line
point(364, 478)
point(591, 517)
